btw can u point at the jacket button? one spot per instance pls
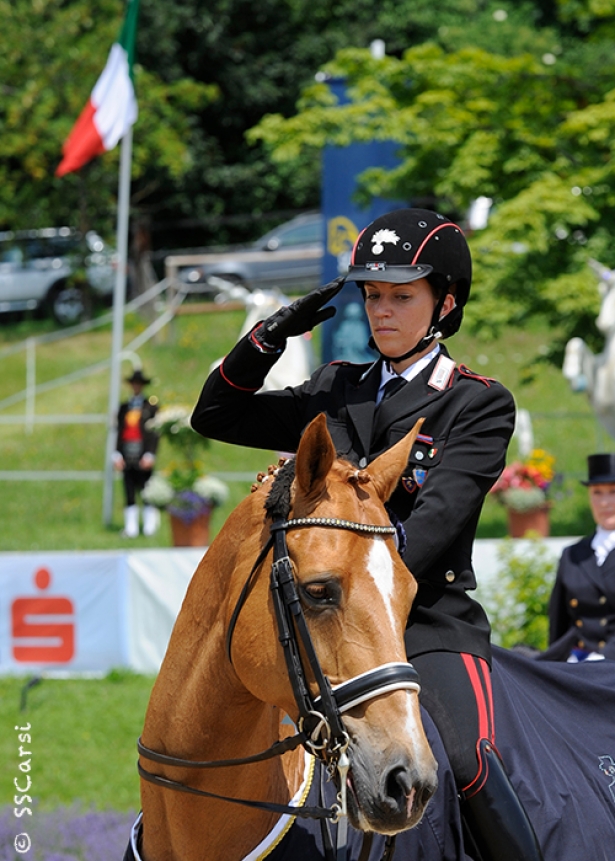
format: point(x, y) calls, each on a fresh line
point(363, 463)
point(601, 644)
point(602, 599)
point(450, 576)
point(581, 644)
point(579, 623)
point(603, 621)
point(574, 602)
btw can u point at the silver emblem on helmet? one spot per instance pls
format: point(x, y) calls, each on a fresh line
point(382, 236)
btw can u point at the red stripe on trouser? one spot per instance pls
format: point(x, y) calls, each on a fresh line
point(480, 679)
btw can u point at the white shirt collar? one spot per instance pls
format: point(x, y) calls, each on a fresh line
point(410, 373)
point(602, 544)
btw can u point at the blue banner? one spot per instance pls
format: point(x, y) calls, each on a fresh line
point(345, 336)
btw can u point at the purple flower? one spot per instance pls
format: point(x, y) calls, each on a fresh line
point(66, 834)
point(188, 505)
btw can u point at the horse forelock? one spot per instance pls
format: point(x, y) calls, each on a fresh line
point(279, 501)
point(279, 498)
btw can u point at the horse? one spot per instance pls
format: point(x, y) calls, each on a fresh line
point(317, 647)
point(591, 373)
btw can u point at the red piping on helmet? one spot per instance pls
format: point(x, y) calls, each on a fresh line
point(428, 237)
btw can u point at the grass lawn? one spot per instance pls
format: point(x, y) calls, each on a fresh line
point(83, 739)
point(65, 515)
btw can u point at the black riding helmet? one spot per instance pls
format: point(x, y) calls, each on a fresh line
point(408, 244)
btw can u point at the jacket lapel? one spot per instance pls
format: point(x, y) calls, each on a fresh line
point(591, 568)
point(361, 405)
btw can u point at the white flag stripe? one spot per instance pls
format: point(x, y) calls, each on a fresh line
point(114, 99)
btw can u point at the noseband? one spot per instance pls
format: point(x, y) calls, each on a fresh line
point(319, 722)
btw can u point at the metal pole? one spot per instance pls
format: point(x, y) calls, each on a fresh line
point(119, 300)
point(30, 383)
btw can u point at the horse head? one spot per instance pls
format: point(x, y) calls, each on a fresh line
point(356, 595)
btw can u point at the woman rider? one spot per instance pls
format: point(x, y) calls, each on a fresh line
point(414, 269)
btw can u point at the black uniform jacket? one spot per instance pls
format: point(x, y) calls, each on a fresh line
point(582, 604)
point(149, 438)
point(456, 459)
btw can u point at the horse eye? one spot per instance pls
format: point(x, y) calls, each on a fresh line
point(321, 592)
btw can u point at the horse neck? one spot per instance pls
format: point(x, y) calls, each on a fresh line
point(200, 711)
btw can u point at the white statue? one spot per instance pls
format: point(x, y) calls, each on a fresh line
point(591, 373)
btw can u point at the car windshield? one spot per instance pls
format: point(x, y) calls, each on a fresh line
point(308, 233)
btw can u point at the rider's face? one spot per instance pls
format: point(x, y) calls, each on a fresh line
point(602, 502)
point(400, 314)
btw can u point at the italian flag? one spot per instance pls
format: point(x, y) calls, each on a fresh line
point(112, 107)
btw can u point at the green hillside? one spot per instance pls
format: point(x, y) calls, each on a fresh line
point(62, 515)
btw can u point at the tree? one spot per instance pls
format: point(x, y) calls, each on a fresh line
point(53, 53)
point(524, 130)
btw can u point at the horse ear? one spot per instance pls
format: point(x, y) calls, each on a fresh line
point(315, 456)
point(387, 469)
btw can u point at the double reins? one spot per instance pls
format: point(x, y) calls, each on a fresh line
point(320, 726)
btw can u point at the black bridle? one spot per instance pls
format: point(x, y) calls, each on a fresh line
point(319, 722)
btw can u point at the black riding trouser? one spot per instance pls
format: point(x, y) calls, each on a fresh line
point(456, 691)
point(134, 481)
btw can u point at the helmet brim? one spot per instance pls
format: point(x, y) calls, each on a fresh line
point(379, 271)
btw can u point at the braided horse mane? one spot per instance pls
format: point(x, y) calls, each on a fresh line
point(278, 502)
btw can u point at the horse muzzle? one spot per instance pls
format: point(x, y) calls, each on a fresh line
point(388, 793)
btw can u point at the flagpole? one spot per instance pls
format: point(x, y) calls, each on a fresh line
point(119, 301)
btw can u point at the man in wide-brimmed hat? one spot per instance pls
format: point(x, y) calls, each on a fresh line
point(582, 605)
point(135, 453)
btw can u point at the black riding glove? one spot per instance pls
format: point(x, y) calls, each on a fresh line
point(300, 317)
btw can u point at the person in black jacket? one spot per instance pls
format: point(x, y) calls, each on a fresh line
point(414, 270)
point(135, 454)
point(582, 604)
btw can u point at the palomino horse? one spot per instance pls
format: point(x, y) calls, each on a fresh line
point(322, 637)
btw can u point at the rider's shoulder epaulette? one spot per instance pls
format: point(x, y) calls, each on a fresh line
point(464, 371)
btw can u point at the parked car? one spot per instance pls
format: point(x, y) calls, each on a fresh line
point(55, 271)
point(288, 258)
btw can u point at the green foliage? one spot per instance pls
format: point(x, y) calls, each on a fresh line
point(518, 607)
point(524, 130)
point(53, 54)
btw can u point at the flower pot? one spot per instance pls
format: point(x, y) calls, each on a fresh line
point(535, 520)
point(193, 534)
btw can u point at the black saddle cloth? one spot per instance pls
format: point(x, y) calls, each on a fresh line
point(555, 729)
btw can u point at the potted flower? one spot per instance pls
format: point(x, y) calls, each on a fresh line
point(183, 490)
point(522, 490)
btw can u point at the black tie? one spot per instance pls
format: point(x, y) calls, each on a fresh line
point(393, 385)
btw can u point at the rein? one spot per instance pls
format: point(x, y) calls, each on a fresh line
point(320, 725)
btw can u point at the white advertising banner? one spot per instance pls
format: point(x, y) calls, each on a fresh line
point(90, 612)
point(157, 583)
point(62, 611)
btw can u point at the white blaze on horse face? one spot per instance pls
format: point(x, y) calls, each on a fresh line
point(380, 567)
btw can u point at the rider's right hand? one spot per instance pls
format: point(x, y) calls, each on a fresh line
point(299, 317)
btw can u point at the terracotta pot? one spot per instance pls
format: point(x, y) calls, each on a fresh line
point(193, 534)
point(536, 520)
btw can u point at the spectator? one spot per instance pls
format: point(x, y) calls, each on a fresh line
point(135, 454)
point(582, 604)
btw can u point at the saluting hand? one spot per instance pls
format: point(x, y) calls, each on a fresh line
point(299, 317)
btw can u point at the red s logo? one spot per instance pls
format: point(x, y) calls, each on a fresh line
point(27, 616)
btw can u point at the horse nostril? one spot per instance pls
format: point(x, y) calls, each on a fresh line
point(397, 788)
